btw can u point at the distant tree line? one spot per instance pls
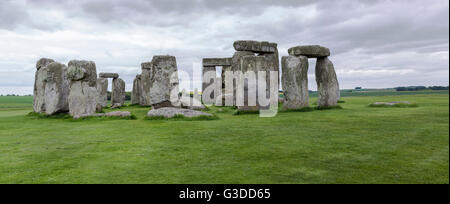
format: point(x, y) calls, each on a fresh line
point(15, 95)
point(421, 88)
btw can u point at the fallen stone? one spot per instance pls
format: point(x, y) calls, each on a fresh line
point(310, 51)
point(83, 97)
point(191, 103)
point(255, 46)
point(116, 105)
point(122, 114)
point(393, 103)
point(170, 112)
point(102, 89)
point(295, 82)
point(136, 93)
point(118, 91)
point(327, 83)
point(108, 75)
point(163, 81)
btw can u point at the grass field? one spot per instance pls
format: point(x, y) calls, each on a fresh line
point(356, 144)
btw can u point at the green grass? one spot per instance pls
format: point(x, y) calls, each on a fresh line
point(355, 144)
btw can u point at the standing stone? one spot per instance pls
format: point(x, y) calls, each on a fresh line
point(295, 82)
point(136, 93)
point(224, 70)
point(327, 83)
point(118, 92)
point(83, 97)
point(273, 61)
point(56, 89)
point(102, 89)
point(39, 85)
point(145, 84)
point(164, 81)
point(235, 67)
point(206, 84)
point(236, 59)
point(254, 64)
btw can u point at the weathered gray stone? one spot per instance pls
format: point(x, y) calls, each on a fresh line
point(43, 62)
point(295, 82)
point(51, 87)
point(116, 105)
point(393, 103)
point(56, 89)
point(254, 64)
point(83, 97)
point(122, 114)
point(311, 51)
point(169, 112)
point(255, 46)
point(108, 75)
point(102, 89)
point(224, 70)
point(191, 103)
point(164, 80)
point(136, 93)
point(327, 83)
point(83, 70)
point(216, 62)
point(206, 84)
point(118, 91)
point(273, 62)
point(236, 66)
point(145, 84)
point(236, 59)
point(39, 85)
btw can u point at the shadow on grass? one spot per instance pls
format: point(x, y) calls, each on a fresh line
point(45, 116)
point(328, 107)
point(305, 109)
point(245, 112)
point(182, 118)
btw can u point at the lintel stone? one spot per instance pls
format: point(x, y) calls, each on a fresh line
point(310, 51)
point(217, 61)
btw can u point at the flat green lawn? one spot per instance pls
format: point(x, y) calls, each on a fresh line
point(356, 144)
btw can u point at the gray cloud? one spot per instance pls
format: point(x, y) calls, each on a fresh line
point(372, 42)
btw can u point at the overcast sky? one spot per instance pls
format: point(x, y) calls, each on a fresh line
point(374, 44)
